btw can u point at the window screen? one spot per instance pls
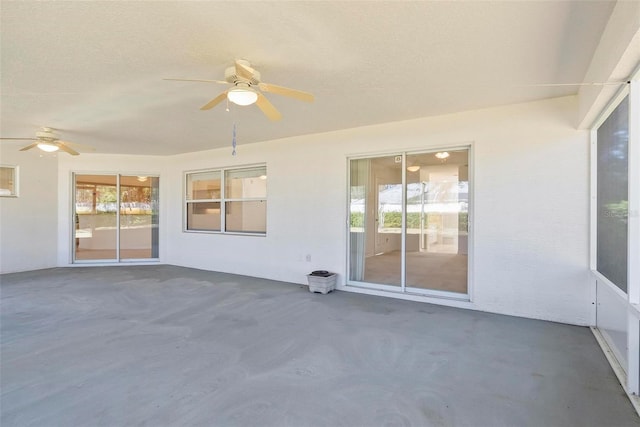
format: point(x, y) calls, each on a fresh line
point(612, 195)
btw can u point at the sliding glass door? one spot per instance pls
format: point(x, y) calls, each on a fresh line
point(409, 222)
point(115, 217)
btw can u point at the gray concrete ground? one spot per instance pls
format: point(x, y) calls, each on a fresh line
point(163, 345)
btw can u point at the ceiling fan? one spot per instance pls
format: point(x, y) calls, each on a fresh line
point(247, 89)
point(47, 140)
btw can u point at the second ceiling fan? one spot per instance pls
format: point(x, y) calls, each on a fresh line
point(247, 89)
point(46, 139)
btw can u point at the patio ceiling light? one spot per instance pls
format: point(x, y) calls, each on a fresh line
point(242, 94)
point(49, 147)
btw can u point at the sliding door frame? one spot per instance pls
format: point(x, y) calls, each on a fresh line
point(403, 289)
point(72, 237)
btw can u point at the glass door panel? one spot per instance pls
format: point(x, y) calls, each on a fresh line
point(138, 217)
point(376, 220)
point(437, 206)
point(95, 214)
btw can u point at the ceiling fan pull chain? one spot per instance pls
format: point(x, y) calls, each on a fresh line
point(233, 143)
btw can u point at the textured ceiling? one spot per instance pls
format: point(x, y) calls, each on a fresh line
point(94, 70)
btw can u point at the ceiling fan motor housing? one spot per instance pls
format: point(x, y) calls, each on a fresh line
point(47, 134)
point(232, 77)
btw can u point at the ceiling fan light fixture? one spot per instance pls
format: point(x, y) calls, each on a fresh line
point(49, 147)
point(442, 155)
point(242, 95)
point(414, 168)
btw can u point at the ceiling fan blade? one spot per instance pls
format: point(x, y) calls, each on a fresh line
point(285, 91)
point(215, 101)
point(244, 71)
point(267, 108)
point(21, 139)
point(64, 147)
point(199, 80)
point(77, 146)
point(29, 147)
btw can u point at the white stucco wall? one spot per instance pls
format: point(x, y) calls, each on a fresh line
point(530, 223)
point(28, 223)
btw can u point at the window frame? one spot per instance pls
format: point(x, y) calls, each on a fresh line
point(222, 199)
point(16, 180)
point(621, 309)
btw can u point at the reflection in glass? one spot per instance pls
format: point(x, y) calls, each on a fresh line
point(246, 183)
point(203, 216)
point(8, 181)
point(247, 210)
point(96, 207)
point(437, 214)
point(358, 218)
point(203, 185)
point(246, 216)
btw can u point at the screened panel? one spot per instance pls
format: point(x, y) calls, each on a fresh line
point(612, 195)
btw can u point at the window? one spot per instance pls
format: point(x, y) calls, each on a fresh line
point(203, 201)
point(9, 181)
point(227, 200)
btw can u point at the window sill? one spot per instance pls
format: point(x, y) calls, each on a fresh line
point(225, 233)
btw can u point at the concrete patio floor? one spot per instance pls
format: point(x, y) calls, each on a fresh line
point(164, 345)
